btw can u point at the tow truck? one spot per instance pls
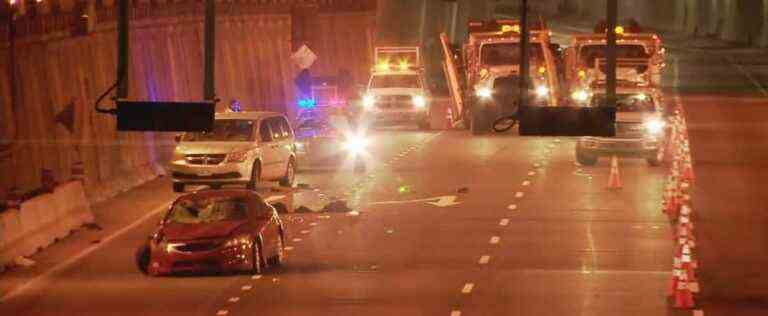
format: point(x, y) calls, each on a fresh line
point(483, 76)
point(639, 63)
point(397, 92)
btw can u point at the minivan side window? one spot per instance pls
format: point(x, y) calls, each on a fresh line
point(287, 132)
point(277, 131)
point(264, 132)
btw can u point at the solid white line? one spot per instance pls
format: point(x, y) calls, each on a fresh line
point(467, 288)
point(495, 239)
point(512, 207)
point(504, 222)
point(246, 287)
point(233, 299)
point(519, 194)
point(72, 260)
point(455, 313)
point(484, 260)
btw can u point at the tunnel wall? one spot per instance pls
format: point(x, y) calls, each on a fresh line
point(55, 69)
point(739, 21)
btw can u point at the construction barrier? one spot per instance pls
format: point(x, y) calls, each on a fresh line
point(42, 220)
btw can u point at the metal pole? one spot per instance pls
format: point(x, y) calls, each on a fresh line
point(123, 47)
point(210, 45)
point(610, 52)
point(12, 57)
point(524, 62)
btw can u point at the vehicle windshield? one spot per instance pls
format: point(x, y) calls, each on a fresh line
point(396, 81)
point(208, 210)
point(590, 53)
point(628, 102)
point(224, 131)
point(499, 54)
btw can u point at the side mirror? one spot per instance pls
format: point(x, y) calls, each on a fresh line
point(177, 137)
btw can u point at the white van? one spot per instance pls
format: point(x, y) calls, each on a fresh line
point(243, 148)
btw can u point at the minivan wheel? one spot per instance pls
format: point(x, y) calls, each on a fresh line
point(255, 177)
point(178, 187)
point(290, 174)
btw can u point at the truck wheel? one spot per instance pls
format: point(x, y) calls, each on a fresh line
point(480, 124)
point(178, 187)
point(585, 159)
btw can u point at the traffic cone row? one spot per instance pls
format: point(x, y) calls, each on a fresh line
point(677, 205)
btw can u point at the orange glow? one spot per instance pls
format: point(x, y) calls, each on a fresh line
point(582, 73)
point(383, 65)
point(403, 65)
point(619, 30)
point(542, 70)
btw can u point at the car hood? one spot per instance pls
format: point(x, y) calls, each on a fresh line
point(397, 91)
point(636, 117)
point(192, 148)
point(187, 232)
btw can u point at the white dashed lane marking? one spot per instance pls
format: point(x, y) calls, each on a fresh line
point(305, 231)
point(698, 312)
point(495, 239)
point(296, 239)
point(512, 207)
point(504, 222)
point(468, 288)
point(246, 287)
point(455, 313)
point(532, 173)
point(526, 183)
point(519, 194)
point(233, 299)
point(484, 260)
point(312, 224)
point(222, 312)
point(289, 248)
point(258, 276)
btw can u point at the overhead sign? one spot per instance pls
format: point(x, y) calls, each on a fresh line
point(304, 57)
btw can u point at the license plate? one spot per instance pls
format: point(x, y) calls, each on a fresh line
point(204, 173)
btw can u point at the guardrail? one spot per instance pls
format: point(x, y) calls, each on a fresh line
point(40, 221)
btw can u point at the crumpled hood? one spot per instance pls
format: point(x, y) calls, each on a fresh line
point(191, 148)
point(187, 232)
point(396, 91)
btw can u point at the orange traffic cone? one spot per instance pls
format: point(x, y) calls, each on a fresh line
point(683, 295)
point(614, 180)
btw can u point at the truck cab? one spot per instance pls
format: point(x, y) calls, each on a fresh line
point(397, 92)
point(640, 61)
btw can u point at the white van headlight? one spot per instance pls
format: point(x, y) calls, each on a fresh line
point(419, 101)
point(580, 96)
point(484, 93)
point(654, 126)
point(369, 101)
point(355, 144)
point(542, 91)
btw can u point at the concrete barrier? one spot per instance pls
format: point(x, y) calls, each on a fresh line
point(41, 220)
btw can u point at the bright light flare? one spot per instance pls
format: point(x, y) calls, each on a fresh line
point(419, 101)
point(580, 96)
point(542, 91)
point(642, 97)
point(484, 93)
point(356, 144)
point(655, 126)
point(369, 101)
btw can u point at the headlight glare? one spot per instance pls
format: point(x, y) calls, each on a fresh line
point(355, 144)
point(580, 96)
point(654, 126)
point(542, 91)
point(484, 93)
point(369, 101)
point(419, 101)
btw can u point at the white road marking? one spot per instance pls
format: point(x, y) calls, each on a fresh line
point(536, 165)
point(467, 288)
point(484, 259)
point(339, 232)
point(749, 76)
point(312, 224)
point(305, 231)
point(455, 313)
point(519, 194)
point(288, 248)
point(390, 231)
point(504, 222)
point(526, 183)
point(495, 239)
point(77, 257)
point(698, 312)
point(512, 207)
point(532, 173)
point(222, 312)
point(258, 276)
point(233, 299)
point(296, 239)
point(246, 287)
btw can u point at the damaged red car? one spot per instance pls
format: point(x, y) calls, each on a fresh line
point(215, 231)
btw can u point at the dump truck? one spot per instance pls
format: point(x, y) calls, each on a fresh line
point(483, 74)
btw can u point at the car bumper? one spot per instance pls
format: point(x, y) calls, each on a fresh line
point(641, 148)
point(219, 260)
point(394, 117)
point(183, 172)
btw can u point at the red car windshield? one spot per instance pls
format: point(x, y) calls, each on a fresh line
point(208, 210)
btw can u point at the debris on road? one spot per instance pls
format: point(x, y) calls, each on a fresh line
point(462, 190)
point(339, 206)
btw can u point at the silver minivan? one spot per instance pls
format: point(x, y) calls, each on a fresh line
point(243, 148)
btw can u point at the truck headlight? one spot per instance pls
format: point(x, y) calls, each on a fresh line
point(355, 144)
point(580, 96)
point(419, 101)
point(369, 101)
point(654, 127)
point(542, 91)
point(484, 93)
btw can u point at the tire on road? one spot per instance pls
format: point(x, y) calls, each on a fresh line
point(279, 257)
point(255, 176)
point(257, 261)
point(290, 174)
point(142, 257)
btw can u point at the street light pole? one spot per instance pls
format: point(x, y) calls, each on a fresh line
point(524, 62)
point(209, 92)
point(610, 52)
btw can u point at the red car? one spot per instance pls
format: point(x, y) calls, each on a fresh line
point(217, 230)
